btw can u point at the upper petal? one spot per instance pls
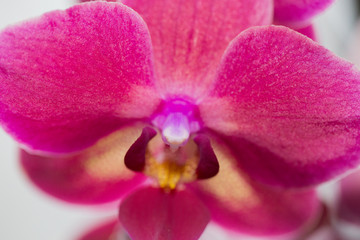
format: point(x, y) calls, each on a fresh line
point(71, 77)
point(95, 175)
point(150, 213)
point(289, 107)
point(243, 205)
point(189, 37)
point(298, 12)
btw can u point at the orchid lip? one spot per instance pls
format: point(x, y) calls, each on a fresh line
point(179, 154)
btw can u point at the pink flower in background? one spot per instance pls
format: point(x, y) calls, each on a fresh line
point(78, 88)
point(347, 210)
point(108, 230)
point(298, 14)
point(111, 229)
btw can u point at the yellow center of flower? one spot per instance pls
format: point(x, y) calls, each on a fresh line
point(171, 167)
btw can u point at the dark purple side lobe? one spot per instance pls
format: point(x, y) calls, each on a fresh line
point(135, 156)
point(208, 165)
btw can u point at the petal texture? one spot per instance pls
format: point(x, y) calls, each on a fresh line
point(71, 77)
point(298, 12)
point(150, 213)
point(240, 204)
point(288, 107)
point(189, 37)
point(96, 175)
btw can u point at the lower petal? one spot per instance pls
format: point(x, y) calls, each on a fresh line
point(108, 230)
point(150, 213)
point(95, 175)
point(245, 206)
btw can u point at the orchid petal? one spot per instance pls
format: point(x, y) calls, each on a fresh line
point(96, 175)
point(108, 230)
point(150, 213)
point(189, 37)
point(298, 12)
point(71, 77)
point(289, 108)
point(348, 205)
point(245, 206)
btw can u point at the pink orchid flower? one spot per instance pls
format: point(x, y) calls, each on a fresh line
point(111, 229)
point(78, 88)
point(298, 14)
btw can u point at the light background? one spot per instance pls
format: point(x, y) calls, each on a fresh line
point(27, 213)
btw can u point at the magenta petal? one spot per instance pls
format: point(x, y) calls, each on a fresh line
point(150, 213)
point(289, 108)
point(96, 175)
point(298, 12)
point(265, 213)
point(248, 207)
point(105, 231)
point(189, 37)
point(71, 77)
point(97, 0)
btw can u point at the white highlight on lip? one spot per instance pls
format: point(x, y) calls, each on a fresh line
point(176, 130)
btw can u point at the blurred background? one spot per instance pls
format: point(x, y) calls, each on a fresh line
point(27, 213)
